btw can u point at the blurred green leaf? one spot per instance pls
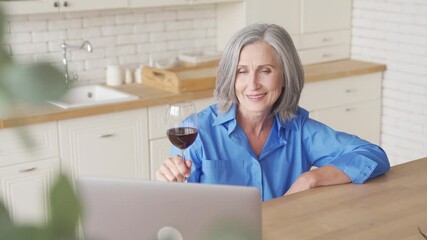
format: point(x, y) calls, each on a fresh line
point(65, 209)
point(32, 83)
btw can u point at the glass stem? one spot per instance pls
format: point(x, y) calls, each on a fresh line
point(184, 179)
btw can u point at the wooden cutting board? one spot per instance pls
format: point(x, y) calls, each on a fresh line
point(186, 77)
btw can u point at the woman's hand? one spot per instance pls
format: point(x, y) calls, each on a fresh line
point(323, 176)
point(174, 169)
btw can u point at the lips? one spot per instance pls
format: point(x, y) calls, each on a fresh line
point(256, 96)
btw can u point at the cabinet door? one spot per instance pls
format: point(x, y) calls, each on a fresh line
point(109, 145)
point(361, 119)
point(82, 5)
point(325, 15)
point(24, 189)
point(42, 143)
point(157, 3)
point(284, 13)
point(159, 151)
point(30, 6)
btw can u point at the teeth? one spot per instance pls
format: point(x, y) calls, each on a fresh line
point(256, 96)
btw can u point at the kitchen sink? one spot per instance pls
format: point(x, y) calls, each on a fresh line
point(90, 95)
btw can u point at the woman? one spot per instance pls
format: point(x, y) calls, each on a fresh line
point(256, 135)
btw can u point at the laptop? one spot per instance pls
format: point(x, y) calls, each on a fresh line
point(118, 209)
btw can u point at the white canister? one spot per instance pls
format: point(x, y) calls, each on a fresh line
point(138, 74)
point(128, 76)
point(114, 75)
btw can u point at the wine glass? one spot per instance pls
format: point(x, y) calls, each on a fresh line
point(181, 124)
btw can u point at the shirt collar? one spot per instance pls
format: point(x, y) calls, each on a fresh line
point(231, 115)
point(228, 116)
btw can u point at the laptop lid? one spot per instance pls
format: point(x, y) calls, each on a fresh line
point(117, 209)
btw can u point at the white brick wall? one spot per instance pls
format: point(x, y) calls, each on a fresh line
point(126, 37)
point(394, 32)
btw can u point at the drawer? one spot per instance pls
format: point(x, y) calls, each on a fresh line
point(324, 54)
point(341, 91)
point(361, 119)
point(324, 39)
point(42, 143)
point(156, 117)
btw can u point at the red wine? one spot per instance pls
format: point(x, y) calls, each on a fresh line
point(182, 137)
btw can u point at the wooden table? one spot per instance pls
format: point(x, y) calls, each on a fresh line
point(388, 207)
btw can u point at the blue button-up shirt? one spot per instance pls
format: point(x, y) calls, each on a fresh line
point(222, 154)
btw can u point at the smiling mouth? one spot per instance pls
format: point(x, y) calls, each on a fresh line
point(256, 96)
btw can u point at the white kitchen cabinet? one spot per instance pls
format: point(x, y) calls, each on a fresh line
point(41, 143)
point(351, 104)
point(24, 189)
point(232, 17)
point(53, 6)
point(159, 143)
point(27, 170)
point(325, 30)
point(159, 150)
point(164, 3)
point(320, 29)
point(108, 145)
point(325, 15)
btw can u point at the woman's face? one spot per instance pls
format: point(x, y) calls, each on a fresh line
point(258, 79)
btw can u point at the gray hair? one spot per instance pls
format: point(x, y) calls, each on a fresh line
point(292, 70)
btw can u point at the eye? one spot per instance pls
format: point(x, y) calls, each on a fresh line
point(265, 70)
point(241, 71)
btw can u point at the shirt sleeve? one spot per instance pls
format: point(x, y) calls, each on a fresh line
point(358, 158)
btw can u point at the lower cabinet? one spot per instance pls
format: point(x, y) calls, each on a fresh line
point(159, 151)
point(351, 104)
point(24, 189)
point(109, 145)
point(362, 119)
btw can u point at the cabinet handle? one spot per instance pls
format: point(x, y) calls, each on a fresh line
point(348, 109)
point(349, 90)
point(28, 170)
point(55, 4)
point(65, 4)
point(327, 39)
point(106, 135)
point(325, 55)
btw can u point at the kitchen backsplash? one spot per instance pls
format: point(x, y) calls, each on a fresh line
point(124, 37)
point(395, 33)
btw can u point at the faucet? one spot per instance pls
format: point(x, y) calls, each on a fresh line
point(86, 45)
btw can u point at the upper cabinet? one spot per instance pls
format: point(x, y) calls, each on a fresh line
point(163, 3)
point(320, 29)
point(52, 6)
point(325, 15)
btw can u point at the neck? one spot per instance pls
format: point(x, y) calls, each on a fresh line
point(255, 124)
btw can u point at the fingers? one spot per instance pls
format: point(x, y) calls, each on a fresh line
point(174, 170)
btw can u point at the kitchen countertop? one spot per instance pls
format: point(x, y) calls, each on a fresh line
point(149, 96)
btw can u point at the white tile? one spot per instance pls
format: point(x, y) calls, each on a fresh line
point(132, 38)
point(28, 26)
point(120, 50)
point(28, 48)
point(49, 36)
point(130, 18)
point(99, 21)
point(16, 38)
point(116, 30)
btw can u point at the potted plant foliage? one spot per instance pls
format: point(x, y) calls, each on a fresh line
point(33, 84)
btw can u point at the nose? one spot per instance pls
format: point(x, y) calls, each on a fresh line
point(253, 82)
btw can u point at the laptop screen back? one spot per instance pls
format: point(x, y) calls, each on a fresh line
point(141, 210)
